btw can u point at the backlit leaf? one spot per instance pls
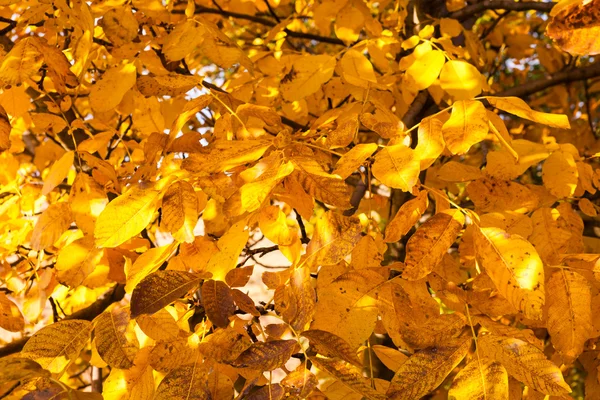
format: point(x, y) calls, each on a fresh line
point(397, 167)
point(357, 69)
point(480, 379)
point(460, 79)
point(306, 76)
point(467, 126)
point(11, 318)
point(518, 107)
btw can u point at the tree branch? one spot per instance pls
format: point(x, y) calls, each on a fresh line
point(508, 5)
point(263, 21)
point(531, 87)
point(89, 313)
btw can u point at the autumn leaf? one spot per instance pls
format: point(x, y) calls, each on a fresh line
point(218, 302)
point(160, 289)
point(483, 378)
point(110, 335)
point(397, 167)
point(266, 356)
point(11, 318)
point(467, 126)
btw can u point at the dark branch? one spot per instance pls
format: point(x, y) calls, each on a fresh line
point(265, 22)
point(574, 75)
point(88, 314)
point(508, 5)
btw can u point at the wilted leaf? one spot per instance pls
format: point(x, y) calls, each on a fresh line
point(218, 302)
point(330, 345)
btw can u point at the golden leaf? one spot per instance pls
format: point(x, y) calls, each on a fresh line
point(145, 264)
point(160, 289)
point(549, 238)
point(218, 302)
point(184, 383)
point(168, 356)
point(4, 130)
point(430, 242)
point(255, 193)
point(560, 174)
point(454, 171)
point(325, 187)
point(467, 126)
point(230, 246)
point(301, 299)
point(239, 277)
point(491, 195)
point(53, 222)
point(518, 107)
point(16, 370)
point(183, 39)
point(575, 27)
point(135, 383)
point(330, 345)
point(427, 369)
point(460, 79)
point(11, 318)
point(55, 346)
point(77, 261)
point(307, 76)
point(357, 69)
point(58, 172)
point(224, 345)
point(524, 362)
point(480, 379)
point(391, 358)
point(426, 69)
point(430, 141)
point(406, 217)
point(115, 348)
point(244, 302)
point(349, 375)
point(108, 92)
point(172, 84)
point(119, 25)
point(500, 166)
point(180, 210)
point(190, 109)
point(397, 167)
point(223, 155)
point(266, 356)
point(347, 306)
point(353, 159)
point(126, 216)
point(515, 268)
point(160, 326)
point(334, 237)
point(21, 62)
point(569, 308)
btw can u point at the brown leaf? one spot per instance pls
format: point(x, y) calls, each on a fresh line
point(330, 345)
point(239, 277)
point(111, 341)
point(185, 383)
point(266, 356)
point(160, 289)
point(11, 318)
point(218, 302)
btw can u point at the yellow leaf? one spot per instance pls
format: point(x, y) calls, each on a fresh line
point(406, 217)
point(307, 76)
point(426, 248)
point(126, 216)
point(273, 224)
point(58, 172)
point(190, 109)
point(172, 84)
point(518, 107)
point(426, 69)
point(353, 159)
point(357, 69)
point(183, 39)
point(347, 307)
point(146, 263)
point(430, 141)
point(300, 299)
point(524, 362)
point(334, 237)
point(77, 261)
point(491, 195)
point(500, 165)
point(454, 171)
point(397, 167)
point(349, 21)
point(160, 326)
point(330, 345)
point(115, 348)
point(219, 48)
point(460, 79)
point(480, 379)
point(368, 253)
point(515, 268)
point(560, 174)
point(135, 383)
point(321, 185)
point(549, 238)
point(570, 318)
point(574, 28)
point(348, 375)
point(266, 356)
point(55, 346)
point(11, 318)
point(255, 193)
point(230, 246)
point(390, 357)
point(184, 383)
point(222, 155)
point(119, 25)
point(21, 62)
point(168, 356)
point(53, 222)
point(427, 369)
point(468, 125)
point(160, 289)
point(108, 92)
point(180, 211)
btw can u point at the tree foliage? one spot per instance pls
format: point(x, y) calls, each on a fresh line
point(299, 199)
